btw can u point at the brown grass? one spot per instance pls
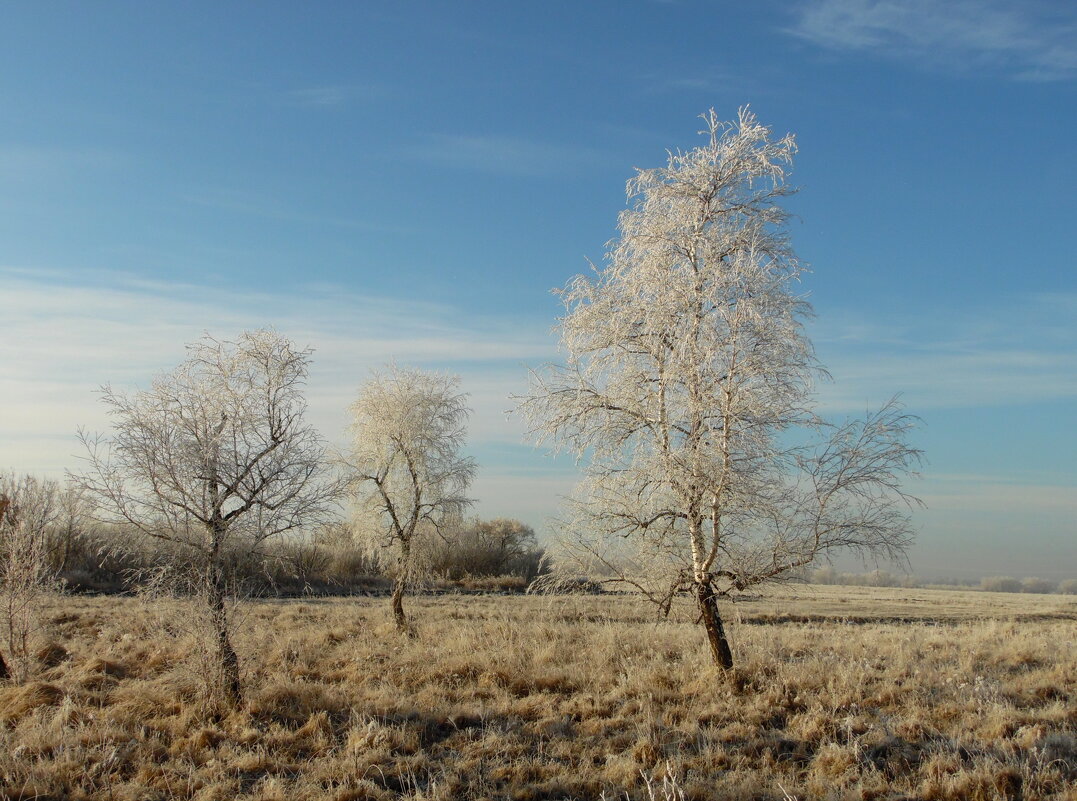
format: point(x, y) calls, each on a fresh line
point(839, 693)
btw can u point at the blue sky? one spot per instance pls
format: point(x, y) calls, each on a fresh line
point(409, 180)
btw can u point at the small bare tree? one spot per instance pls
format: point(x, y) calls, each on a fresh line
point(688, 374)
point(29, 507)
point(405, 465)
point(215, 457)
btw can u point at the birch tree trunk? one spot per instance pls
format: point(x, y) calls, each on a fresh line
point(399, 585)
point(712, 622)
point(398, 608)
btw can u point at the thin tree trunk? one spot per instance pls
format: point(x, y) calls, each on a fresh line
point(712, 621)
point(402, 624)
point(227, 658)
point(5, 671)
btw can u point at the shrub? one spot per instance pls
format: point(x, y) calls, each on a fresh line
point(495, 583)
point(481, 548)
point(875, 578)
point(825, 575)
point(557, 584)
point(1000, 584)
point(27, 509)
point(1037, 585)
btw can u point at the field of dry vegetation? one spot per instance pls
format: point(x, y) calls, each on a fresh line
point(839, 693)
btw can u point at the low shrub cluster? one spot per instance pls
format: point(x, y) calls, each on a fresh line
point(487, 548)
point(1031, 584)
point(90, 557)
point(324, 562)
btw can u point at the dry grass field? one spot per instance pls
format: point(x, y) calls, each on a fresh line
point(839, 693)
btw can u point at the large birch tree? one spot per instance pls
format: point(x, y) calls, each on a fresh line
point(688, 373)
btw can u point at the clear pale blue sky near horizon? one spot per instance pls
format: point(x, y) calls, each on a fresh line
point(409, 180)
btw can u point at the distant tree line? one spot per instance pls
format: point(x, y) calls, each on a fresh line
point(883, 578)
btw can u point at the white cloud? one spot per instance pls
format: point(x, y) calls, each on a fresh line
point(992, 495)
point(991, 377)
point(730, 85)
point(533, 498)
point(63, 336)
point(1030, 41)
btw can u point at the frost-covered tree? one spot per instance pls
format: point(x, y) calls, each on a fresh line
point(29, 509)
point(688, 376)
point(408, 427)
point(215, 457)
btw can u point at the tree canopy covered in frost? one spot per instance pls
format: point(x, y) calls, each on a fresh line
point(405, 465)
point(687, 373)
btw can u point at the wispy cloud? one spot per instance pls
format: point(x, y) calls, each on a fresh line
point(18, 160)
point(333, 96)
point(738, 86)
point(254, 205)
point(982, 525)
point(503, 154)
point(66, 334)
point(1024, 351)
point(1029, 41)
